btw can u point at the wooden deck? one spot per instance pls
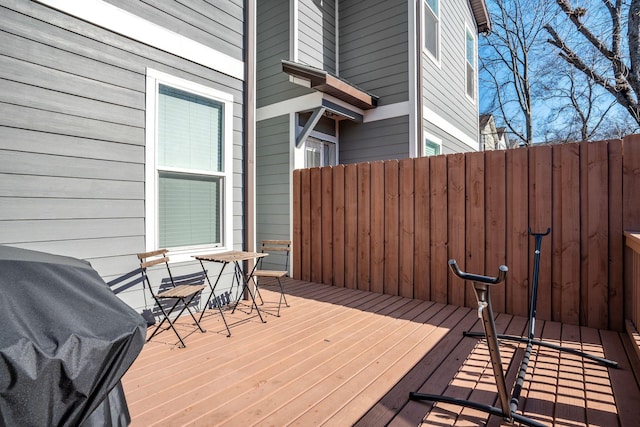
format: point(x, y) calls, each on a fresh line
point(344, 357)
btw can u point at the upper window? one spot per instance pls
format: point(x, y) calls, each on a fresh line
point(470, 64)
point(432, 28)
point(188, 179)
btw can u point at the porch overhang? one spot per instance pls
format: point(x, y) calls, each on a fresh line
point(323, 81)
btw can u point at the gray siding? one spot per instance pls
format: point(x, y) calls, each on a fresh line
point(273, 181)
point(273, 44)
point(445, 86)
point(449, 143)
point(380, 140)
point(317, 35)
point(374, 47)
point(72, 131)
point(218, 24)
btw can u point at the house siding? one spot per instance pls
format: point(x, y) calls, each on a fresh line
point(374, 47)
point(450, 144)
point(317, 34)
point(273, 182)
point(379, 140)
point(218, 24)
point(72, 130)
point(444, 84)
point(273, 45)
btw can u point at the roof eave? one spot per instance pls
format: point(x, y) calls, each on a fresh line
point(481, 15)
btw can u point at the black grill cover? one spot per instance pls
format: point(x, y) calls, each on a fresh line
point(65, 342)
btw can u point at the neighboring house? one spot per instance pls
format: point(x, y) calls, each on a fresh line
point(491, 137)
point(503, 138)
point(344, 81)
point(123, 128)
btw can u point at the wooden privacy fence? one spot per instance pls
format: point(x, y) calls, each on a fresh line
point(391, 226)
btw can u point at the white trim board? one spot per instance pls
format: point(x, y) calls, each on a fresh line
point(120, 21)
point(314, 100)
point(442, 123)
point(385, 112)
point(414, 88)
point(288, 106)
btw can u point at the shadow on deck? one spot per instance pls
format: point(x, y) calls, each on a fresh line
point(343, 357)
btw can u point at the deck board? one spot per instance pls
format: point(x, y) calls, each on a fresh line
point(340, 356)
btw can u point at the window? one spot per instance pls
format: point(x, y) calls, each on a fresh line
point(319, 153)
point(320, 148)
point(432, 146)
point(432, 28)
point(470, 64)
point(188, 178)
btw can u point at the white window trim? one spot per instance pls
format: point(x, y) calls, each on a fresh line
point(432, 138)
point(475, 65)
point(436, 59)
point(154, 79)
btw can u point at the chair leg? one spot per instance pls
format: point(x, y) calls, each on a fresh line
point(255, 282)
point(226, 325)
point(168, 319)
point(186, 304)
point(282, 296)
point(282, 291)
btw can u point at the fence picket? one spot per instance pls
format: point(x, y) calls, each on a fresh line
point(616, 237)
point(456, 224)
point(305, 206)
point(517, 283)
point(351, 226)
point(439, 229)
point(407, 228)
point(327, 225)
point(496, 221)
point(364, 226)
point(316, 224)
point(540, 198)
point(568, 214)
point(598, 236)
point(421, 275)
point(475, 238)
point(338, 226)
point(392, 221)
point(377, 227)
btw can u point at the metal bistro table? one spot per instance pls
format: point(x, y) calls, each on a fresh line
point(225, 258)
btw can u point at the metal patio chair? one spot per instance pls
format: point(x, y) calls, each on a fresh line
point(182, 294)
point(281, 248)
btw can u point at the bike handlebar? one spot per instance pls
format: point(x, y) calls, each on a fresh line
point(539, 234)
point(502, 274)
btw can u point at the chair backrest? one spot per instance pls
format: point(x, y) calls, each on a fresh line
point(282, 247)
point(149, 259)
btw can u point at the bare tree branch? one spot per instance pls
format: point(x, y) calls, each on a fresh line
point(624, 81)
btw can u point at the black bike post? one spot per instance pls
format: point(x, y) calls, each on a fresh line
point(534, 289)
point(517, 388)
